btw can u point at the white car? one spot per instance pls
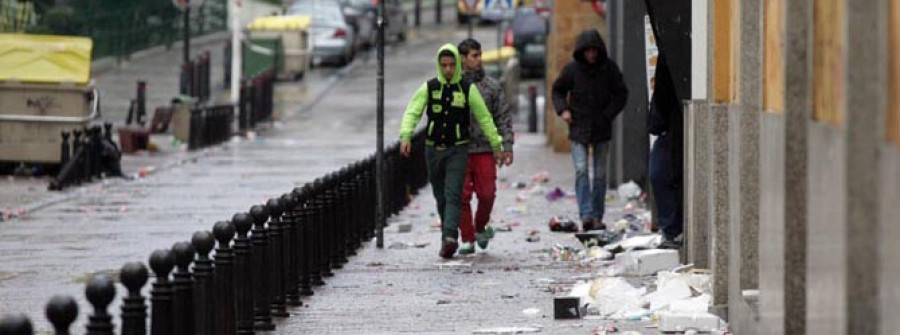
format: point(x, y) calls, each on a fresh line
point(333, 39)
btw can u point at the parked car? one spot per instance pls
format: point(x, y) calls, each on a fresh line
point(362, 16)
point(395, 17)
point(528, 34)
point(486, 10)
point(333, 39)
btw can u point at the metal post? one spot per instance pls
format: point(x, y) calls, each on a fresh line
point(235, 57)
point(187, 35)
point(379, 150)
point(418, 13)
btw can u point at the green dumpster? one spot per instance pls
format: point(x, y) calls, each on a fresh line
point(261, 55)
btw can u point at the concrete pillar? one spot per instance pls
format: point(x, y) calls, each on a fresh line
point(744, 173)
point(771, 224)
point(697, 195)
point(866, 105)
point(719, 205)
point(797, 110)
point(889, 232)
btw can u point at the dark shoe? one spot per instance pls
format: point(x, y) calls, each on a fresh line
point(669, 244)
point(448, 248)
point(599, 225)
point(587, 225)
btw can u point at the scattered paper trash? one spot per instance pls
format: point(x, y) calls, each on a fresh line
point(680, 322)
point(541, 177)
point(555, 195)
point(507, 330)
point(615, 297)
point(647, 262)
point(398, 245)
point(637, 242)
point(519, 209)
point(404, 227)
point(453, 265)
point(531, 311)
point(629, 191)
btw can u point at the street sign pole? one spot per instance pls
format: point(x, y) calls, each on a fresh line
point(236, 59)
point(379, 150)
point(470, 10)
point(187, 34)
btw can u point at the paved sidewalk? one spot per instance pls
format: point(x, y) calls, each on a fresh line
point(404, 289)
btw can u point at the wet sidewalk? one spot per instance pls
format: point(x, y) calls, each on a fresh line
point(406, 288)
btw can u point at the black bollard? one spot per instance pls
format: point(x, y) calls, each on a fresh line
point(225, 323)
point(532, 109)
point(304, 247)
point(314, 234)
point(87, 161)
point(163, 293)
point(203, 242)
point(339, 207)
point(346, 189)
point(331, 222)
point(322, 228)
point(15, 324)
point(78, 166)
point(184, 296)
point(243, 271)
point(100, 292)
point(62, 312)
point(261, 292)
point(437, 14)
point(134, 311)
point(276, 258)
point(64, 151)
point(290, 275)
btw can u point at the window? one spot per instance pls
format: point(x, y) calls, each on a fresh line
point(773, 56)
point(828, 61)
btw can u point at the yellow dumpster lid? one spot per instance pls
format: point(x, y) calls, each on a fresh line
point(289, 22)
point(45, 58)
point(493, 55)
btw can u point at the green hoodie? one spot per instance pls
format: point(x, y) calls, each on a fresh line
point(416, 106)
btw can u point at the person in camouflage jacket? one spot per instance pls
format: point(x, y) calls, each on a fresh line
point(481, 175)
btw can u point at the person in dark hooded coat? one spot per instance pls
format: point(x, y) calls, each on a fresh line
point(588, 94)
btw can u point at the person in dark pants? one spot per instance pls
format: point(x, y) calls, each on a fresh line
point(588, 94)
point(448, 101)
point(665, 121)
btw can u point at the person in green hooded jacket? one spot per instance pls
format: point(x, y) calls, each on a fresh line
point(448, 101)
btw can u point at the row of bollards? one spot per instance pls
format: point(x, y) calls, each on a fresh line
point(89, 155)
point(264, 261)
point(210, 126)
point(196, 77)
point(256, 101)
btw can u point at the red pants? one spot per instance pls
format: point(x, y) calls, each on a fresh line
point(481, 177)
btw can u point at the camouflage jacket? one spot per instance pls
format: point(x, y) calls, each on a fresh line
point(500, 109)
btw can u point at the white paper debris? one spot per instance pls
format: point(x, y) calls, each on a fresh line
point(507, 330)
point(647, 262)
point(680, 322)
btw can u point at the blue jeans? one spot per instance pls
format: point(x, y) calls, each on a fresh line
point(591, 195)
point(665, 188)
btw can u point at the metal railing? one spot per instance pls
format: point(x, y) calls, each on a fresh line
point(266, 261)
